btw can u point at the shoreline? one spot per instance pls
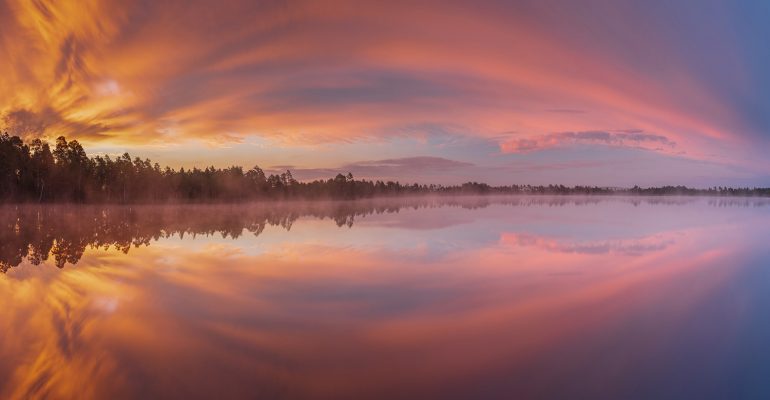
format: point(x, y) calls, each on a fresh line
point(412, 196)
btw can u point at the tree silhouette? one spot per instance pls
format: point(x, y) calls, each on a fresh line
point(34, 173)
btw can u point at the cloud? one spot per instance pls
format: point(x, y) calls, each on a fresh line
point(303, 73)
point(27, 123)
point(590, 165)
point(565, 111)
point(531, 167)
point(633, 138)
point(413, 162)
point(633, 247)
point(381, 169)
point(22, 122)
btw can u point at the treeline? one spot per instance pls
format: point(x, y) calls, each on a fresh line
point(37, 172)
point(685, 191)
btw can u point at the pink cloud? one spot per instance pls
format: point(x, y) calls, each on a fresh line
point(347, 71)
point(632, 138)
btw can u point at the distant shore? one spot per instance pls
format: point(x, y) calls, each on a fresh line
point(33, 172)
point(545, 198)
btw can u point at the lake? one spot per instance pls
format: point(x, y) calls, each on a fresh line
point(500, 298)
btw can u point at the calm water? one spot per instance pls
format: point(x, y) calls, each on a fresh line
point(474, 298)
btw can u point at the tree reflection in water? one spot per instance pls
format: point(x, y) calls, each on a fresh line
point(37, 233)
point(500, 301)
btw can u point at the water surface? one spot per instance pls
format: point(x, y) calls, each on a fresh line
point(524, 297)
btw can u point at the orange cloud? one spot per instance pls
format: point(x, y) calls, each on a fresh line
point(210, 318)
point(340, 71)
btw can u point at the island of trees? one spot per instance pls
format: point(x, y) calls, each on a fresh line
point(35, 171)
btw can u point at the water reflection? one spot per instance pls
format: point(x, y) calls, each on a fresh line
point(35, 233)
point(462, 298)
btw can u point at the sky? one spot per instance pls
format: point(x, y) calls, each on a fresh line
point(609, 93)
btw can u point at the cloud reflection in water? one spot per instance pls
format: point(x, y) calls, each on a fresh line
point(501, 296)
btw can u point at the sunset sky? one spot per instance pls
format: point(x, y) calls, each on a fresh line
point(573, 92)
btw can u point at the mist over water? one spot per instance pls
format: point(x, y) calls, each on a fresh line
point(468, 297)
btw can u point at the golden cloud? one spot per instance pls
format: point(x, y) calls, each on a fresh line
point(306, 72)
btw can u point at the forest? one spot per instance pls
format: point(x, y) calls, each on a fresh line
point(37, 172)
